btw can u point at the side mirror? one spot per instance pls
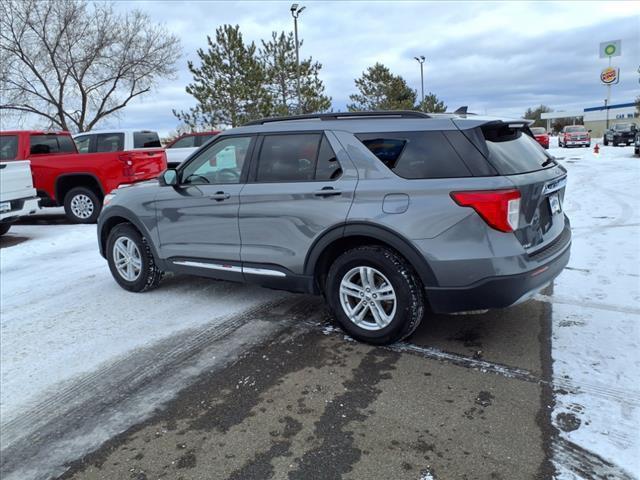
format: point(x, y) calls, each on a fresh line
point(589, 131)
point(169, 178)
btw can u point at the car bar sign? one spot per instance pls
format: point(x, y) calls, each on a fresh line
point(610, 76)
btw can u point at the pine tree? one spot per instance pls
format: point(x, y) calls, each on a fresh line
point(432, 104)
point(278, 57)
point(229, 83)
point(379, 89)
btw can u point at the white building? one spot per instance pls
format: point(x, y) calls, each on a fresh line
point(595, 118)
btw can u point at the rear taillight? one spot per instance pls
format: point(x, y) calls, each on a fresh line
point(126, 159)
point(499, 208)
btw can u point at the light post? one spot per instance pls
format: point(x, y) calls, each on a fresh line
point(295, 12)
point(421, 60)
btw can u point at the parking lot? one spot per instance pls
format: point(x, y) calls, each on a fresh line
point(204, 379)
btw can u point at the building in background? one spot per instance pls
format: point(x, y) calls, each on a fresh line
point(595, 118)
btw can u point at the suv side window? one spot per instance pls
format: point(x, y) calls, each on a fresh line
point(288, 157)
point(220, 163)
point(328, 167)
point(109, 142)
point(83, 143)
point(416, 155)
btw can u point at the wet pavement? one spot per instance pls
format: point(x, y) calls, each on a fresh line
point(467, 397)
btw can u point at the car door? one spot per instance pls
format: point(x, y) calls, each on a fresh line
point(300, 186)
point(198, 218)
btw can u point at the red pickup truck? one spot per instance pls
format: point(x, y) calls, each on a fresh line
point(77, 181)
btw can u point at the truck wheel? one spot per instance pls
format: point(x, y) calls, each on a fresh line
point(82, 205)
point(4, 228)
point(604, 140)
point(130, 259)
point(375, 295)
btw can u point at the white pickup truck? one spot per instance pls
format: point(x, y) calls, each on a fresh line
point(17, 195)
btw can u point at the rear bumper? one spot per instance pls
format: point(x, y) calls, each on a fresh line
point(498, 292)
point(19, 208)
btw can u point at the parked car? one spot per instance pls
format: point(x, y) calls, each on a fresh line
point(636, 149)
point(574, 136)
point(620, 133)
point(187, 143)
point(541, 136)
point(17, 196)
point(382, 213)
point(63, 177)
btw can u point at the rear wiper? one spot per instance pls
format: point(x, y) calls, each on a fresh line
point(548, 161)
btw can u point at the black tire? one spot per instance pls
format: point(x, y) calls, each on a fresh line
point(410, 298)
point(88, 198)
point(150, 275)
point(4, 228)
point(604, 140)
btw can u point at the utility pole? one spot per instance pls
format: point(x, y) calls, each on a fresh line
point(295, 12)
point(421, 60)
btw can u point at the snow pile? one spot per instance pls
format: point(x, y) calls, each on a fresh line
point(596, 310)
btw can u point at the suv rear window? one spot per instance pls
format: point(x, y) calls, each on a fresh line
point(8, 147)
point(415, 155)
point(297, 158)
point(45, 144)
point(146, 140)
point(511, 151)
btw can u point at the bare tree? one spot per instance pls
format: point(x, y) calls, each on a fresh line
point(74, 63)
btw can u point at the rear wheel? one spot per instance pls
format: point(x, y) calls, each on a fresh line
point(4, 228)
point(82, 205)
point(130, 259)
point(375, 295)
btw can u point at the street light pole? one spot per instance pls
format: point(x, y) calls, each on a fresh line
point(295, 12)
point(421, 60)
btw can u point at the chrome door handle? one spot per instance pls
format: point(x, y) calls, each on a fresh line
point(327, 192)
point(220, 196)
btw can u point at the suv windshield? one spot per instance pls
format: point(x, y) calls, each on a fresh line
point(577, 128)
point(622, 127)
point(512, 151)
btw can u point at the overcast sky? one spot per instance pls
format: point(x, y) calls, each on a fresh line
point(497, 58)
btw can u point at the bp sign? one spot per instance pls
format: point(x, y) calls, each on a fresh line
point(610, 49)
point(610, 76)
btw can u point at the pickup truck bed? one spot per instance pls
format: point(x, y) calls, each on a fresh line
point(79, 182)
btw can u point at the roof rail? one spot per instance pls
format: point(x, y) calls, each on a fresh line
point(343, 115)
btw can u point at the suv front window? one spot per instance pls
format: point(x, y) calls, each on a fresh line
point(622, 127)
point(221, 163)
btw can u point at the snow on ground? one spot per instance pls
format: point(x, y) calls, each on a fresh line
point(596, 310)
point(63, 315)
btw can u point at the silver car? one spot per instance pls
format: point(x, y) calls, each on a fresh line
point(389, 215)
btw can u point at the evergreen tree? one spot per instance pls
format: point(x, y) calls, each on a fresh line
point(379, 89)
point(432, 104)
point(229, 83)
point(535, 115)
point(278, 57)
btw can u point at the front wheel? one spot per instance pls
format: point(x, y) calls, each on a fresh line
point(375, 295)
point(82, 205)
point(130, 259)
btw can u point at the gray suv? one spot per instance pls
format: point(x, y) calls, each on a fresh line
point(386, 214)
